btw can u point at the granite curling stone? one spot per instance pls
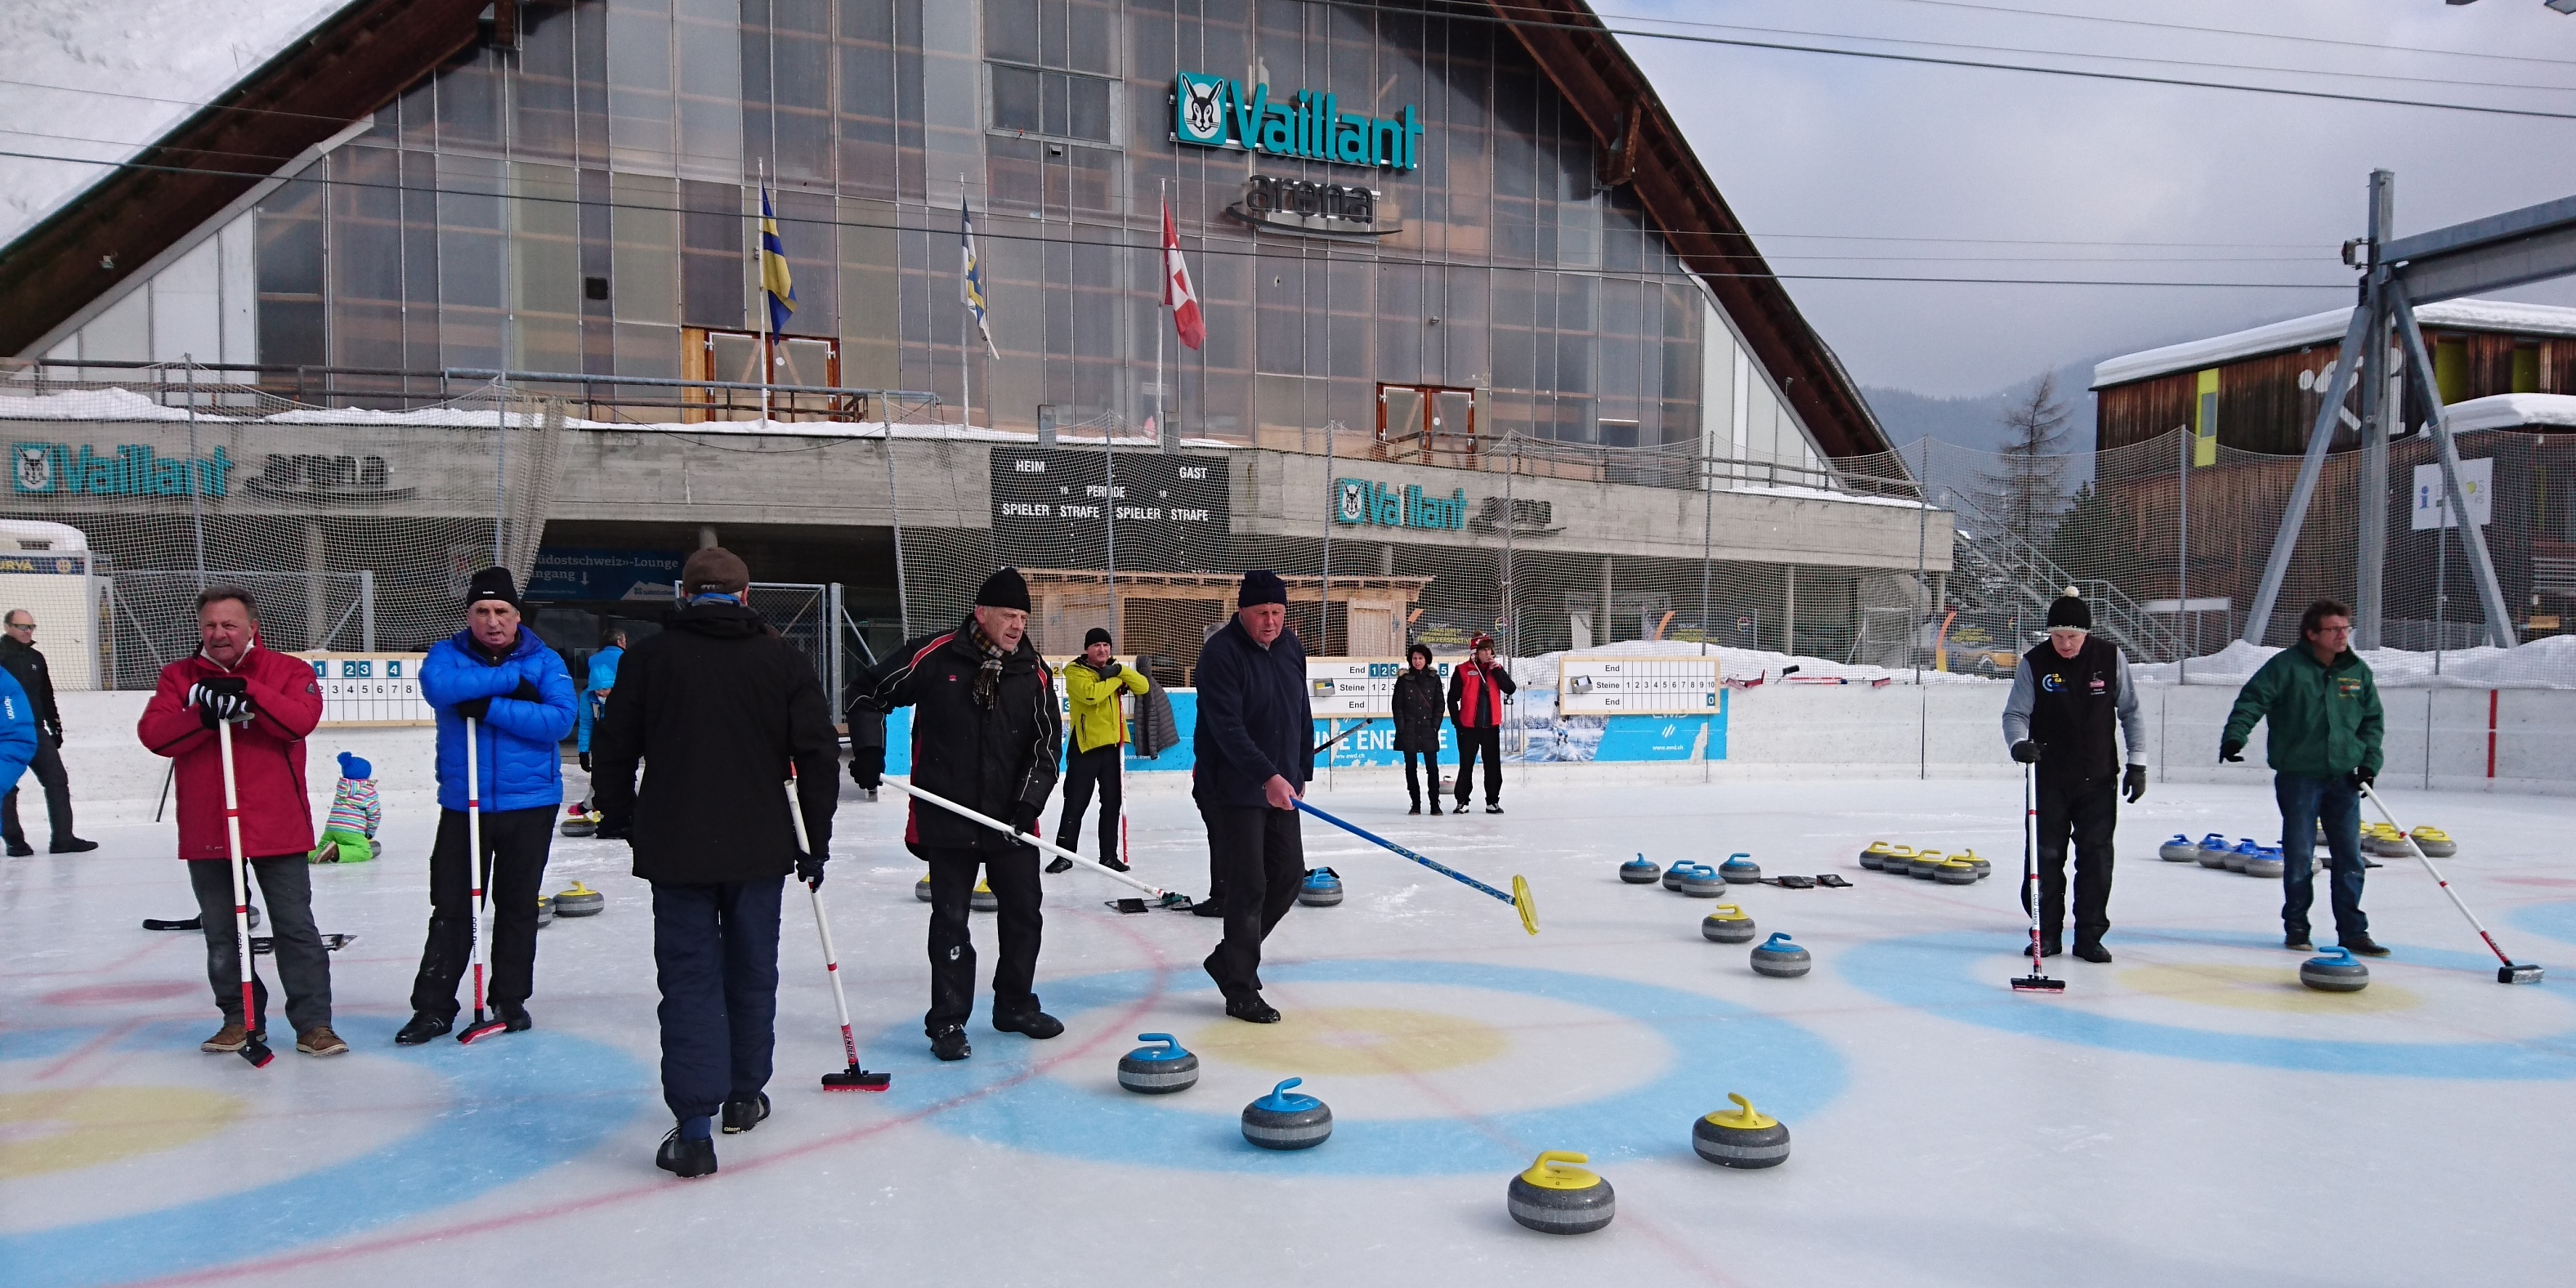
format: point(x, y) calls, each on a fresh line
point(1740, 869)
point(2214, 850)
point(1956, 872)
point(1975, 861)
point(983, 900)
point(1322, 888)
point(1927, 865)
point(2265, 863)
point(1639, 871)
point(1158, 1070)
point(579, 825)
point(2181, 849)
point(1555, 1197)
point(1727, 925)
point(1703, 882)
point(1286, 1119)
point(545, 912)
point(580, 901)
point(1740, 1137)
point(2335, 970)
point(921, 889)
point(2434, 842)
point(1778, 958)
point(1673, 877)
point(2243, 853)
point(1876, 855)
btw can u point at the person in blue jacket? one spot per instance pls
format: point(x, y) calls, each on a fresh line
point(594, 695)
point(520, 698)
point(17, 731)
point(1255, 754)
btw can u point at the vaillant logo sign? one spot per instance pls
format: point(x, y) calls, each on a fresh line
point(134, 469)
point(1217, 112)
point(1360, 501)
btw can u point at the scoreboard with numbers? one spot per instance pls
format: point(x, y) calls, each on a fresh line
point(370, 688)
point(1636, 686)
point(1345, 688)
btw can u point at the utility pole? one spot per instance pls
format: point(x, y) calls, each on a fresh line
point(2378, 415)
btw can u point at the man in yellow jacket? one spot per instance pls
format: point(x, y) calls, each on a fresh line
point(1092, 685)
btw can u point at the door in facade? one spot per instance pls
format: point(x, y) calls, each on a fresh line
point(1370, 631)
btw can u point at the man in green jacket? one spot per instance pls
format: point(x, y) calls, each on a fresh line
point(2324, 747)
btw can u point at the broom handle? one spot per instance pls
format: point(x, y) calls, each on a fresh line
point(2438, 878)
point(241, 874)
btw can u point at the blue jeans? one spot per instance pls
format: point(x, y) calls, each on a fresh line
point(715, 949)
point(2304, 803)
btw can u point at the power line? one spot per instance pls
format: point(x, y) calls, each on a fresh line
point(1207, 247)
point(2237, 31)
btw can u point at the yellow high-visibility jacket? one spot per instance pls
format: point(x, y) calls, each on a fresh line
point(1096, 721)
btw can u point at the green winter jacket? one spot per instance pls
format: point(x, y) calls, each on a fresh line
point(2325, 720)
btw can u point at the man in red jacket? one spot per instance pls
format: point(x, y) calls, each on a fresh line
point(272, 702)
point(1476, 692)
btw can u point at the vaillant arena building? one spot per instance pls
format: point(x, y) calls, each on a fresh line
point(1462, 334)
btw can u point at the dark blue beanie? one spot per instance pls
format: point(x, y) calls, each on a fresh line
point(1262, 586)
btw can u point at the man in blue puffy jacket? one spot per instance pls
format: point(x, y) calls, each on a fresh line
point(18, 732)
point(520, 697)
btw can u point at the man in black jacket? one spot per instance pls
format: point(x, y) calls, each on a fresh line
point(18, 654)
point(1255, 753)
point(717, 707)
point(986, 733)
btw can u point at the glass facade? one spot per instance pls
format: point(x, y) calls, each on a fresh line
point(582, 204)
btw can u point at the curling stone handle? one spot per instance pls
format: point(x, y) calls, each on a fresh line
point(1284, 1084)
point(1165, 1038)
point(1554, 1159)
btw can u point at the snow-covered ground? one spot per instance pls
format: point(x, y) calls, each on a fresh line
point(2548, 663)
point(2186, 1114)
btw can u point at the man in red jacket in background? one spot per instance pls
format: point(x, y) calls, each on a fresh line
point(1477, 688)
point(272, 702)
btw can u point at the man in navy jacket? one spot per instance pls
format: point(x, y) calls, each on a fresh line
point(521, 700)
point(1255, 753)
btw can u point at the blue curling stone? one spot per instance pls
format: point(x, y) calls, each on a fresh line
point(1639, 871)
point(1703, 882)
point(1158, 1070)
point(1778, 958)
point(1321, 889)
point(2335, 970)
point(1287, 1120)
point(1740, 869)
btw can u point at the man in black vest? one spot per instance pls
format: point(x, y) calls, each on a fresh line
point(2066, 695)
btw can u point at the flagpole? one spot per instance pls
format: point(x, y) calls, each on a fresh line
point(760, 261)
point(965, 357)
point(1162, 421)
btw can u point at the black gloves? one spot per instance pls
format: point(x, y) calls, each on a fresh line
point(54, 732)
point(2361, 776)
point(2133, 783)
point(2232, 750)
point(220, 698)
point(475, 708)
point(585, 762)
point(1024, 818)
point(526, 692)
point(867, 766)
point(809, 868)
point(2026, 751)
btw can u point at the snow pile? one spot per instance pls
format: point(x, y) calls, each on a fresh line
point(2539, 664)
point(94, 82)
point(1735, 665)
point(87, 404)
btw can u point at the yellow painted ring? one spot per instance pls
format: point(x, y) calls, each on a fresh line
point(60, 1131)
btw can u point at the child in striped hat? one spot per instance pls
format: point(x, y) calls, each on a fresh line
point(347, 835)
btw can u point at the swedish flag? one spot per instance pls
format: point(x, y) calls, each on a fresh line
point(777, 284)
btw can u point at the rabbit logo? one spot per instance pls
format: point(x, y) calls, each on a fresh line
point(1202, 104)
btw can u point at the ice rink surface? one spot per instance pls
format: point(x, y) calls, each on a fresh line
point(2186, 1114)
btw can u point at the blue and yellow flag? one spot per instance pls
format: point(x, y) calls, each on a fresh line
point(777, 285)
point(970, 285)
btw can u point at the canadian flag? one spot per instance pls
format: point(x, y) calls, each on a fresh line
point(1178, 295)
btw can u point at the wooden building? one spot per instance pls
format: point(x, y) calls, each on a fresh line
point(2270, 378)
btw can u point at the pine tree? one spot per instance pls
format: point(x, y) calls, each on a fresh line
point(2024, 492)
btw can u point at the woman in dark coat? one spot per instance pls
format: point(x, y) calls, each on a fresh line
point(1420, 705)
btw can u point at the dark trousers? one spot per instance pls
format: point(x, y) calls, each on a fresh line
point(1261, 856)
point(1082, 770)
point(2306, 802)
point(303, 964)
point(1489, 741)
point(514, 868)
point(48, 769)
point(715, 956)
point(2087, 809)
point(1430, 767)
point(1014, 878)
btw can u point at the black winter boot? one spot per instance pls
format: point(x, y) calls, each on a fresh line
point(686, 1159)
point(742, 1115)
point(422, 1028)
point(950, 1043)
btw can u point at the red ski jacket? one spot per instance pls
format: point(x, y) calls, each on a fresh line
point(268, 755)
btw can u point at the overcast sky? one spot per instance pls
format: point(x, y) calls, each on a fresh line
point(1818, 152)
